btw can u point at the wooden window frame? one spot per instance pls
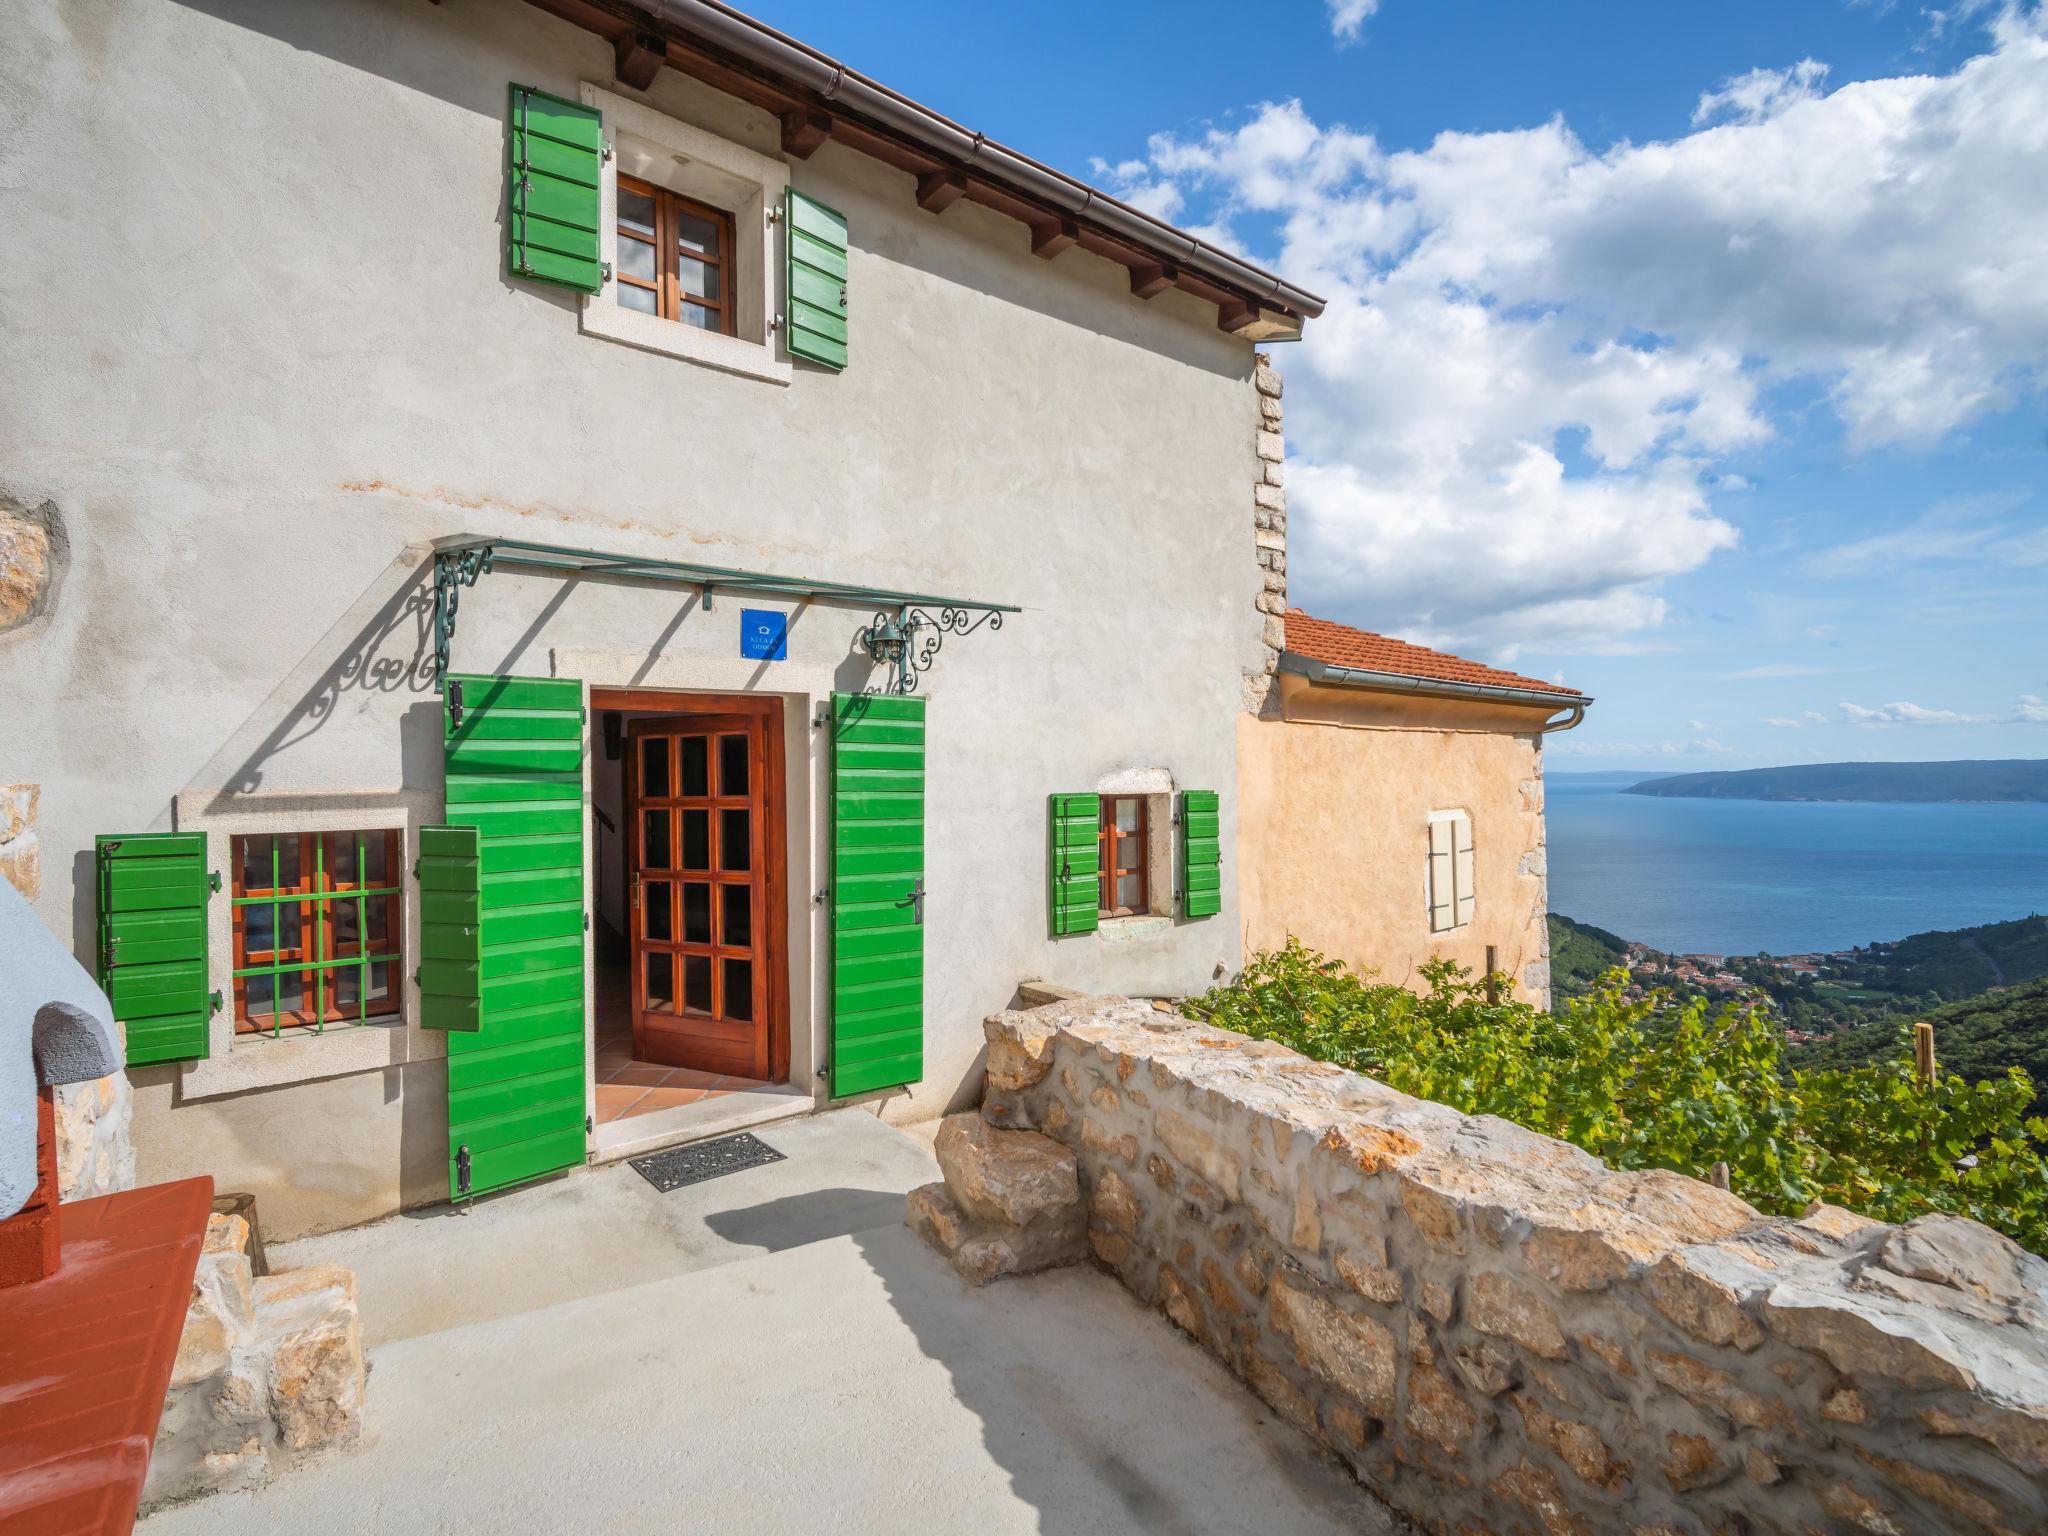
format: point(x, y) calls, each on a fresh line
point(1106, 837)
point(320, 952)
point(667, 288)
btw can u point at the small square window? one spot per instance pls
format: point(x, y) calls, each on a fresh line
point(1125, 842)
point(674, 256)
point(317, 929)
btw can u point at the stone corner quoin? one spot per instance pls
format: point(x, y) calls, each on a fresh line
point(1493, 1329)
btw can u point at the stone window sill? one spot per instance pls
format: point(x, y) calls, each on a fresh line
point(1129, 930)
point(671, 338)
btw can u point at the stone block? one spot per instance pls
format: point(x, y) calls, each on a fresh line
point(1019, 1049)
point(1268, 382)
point(308, 1326)
point(1271, 447)
point(984, 1250)
point(1354, 1354)
point(1507, 1309)
point(1005, 1176)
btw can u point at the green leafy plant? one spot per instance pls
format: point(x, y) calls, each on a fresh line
point(1656, 1083)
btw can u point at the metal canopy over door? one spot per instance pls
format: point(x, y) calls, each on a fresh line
point(514, 755)
point(878, 892)
point(698, 856)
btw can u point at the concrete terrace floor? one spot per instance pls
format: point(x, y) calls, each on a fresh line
point(770, 1351)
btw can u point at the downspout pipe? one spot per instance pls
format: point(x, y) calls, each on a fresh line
point(785, 58)
point(1573, 705)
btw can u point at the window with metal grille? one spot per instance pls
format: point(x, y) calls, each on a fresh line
point(318, 930)
point(675, 256)
point(1125, 840)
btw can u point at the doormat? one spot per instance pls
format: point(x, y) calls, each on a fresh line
point(672, 1170)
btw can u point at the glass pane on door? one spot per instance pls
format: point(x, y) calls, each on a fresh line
point(735, 850)
point(658, 900)
point(738, 929)
point(654, 779)
point(654, 840)
point(694, 752)
point(661, 984)
point(697, 983)
point(696, 914)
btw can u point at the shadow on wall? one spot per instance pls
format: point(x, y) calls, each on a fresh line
point(388, 650)
point(1101, 1418)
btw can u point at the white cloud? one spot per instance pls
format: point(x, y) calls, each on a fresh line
point(1782, 722)
point(1511, 421)
point(1762, 93)
point(2028, 711)
point(1975, 528)
point(1348, 16)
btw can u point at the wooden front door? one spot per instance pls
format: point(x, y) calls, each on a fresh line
point(698, 866)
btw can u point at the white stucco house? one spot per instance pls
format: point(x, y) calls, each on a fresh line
point(579, 574)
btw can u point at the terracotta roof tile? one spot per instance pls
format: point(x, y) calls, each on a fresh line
point(1340, 645)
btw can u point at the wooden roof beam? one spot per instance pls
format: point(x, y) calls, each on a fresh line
point(804, 129)
point(1052, 236)
point(1150, 279)
point(939, 190)
point(637, 58)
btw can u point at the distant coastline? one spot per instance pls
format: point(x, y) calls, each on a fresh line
point(1998, 781)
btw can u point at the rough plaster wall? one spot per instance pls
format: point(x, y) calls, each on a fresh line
point(319, 365)
point(315, 1155)
point(1334, 822)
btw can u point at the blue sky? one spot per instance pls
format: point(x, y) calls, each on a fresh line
point(1694, 356)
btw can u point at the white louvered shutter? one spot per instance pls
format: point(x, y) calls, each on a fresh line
point(1461, 867)
point(1442, 898)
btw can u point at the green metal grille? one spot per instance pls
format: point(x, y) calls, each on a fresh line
point(314, 957)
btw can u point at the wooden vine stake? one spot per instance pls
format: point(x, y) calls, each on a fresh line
point(1923, 1053)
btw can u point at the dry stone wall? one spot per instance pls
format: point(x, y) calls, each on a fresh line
point(1499, 1333)
point(269, 1372)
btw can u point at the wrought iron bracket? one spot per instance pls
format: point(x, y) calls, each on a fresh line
point(909, 639)
point(453, 571)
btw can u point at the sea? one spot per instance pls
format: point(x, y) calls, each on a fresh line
point(1741, 876)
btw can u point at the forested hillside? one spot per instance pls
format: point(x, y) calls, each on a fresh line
point(1977, 1038)
point(1579, 952)
point(2004, 780)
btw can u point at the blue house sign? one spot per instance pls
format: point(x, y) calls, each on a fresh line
point(764, 634)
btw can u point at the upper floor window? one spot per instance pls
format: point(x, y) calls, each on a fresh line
point(317, 928)
point(674, 256)
point(1125, 841)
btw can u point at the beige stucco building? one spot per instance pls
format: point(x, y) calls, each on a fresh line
point(1391, 807)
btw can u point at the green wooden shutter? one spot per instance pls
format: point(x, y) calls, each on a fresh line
point(450, 871)
point(1075, 863)
point(877, 892)
point(513, 749)
point(1201, 853)
point(815, 242)
point(152, 891)
point(555, 156)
